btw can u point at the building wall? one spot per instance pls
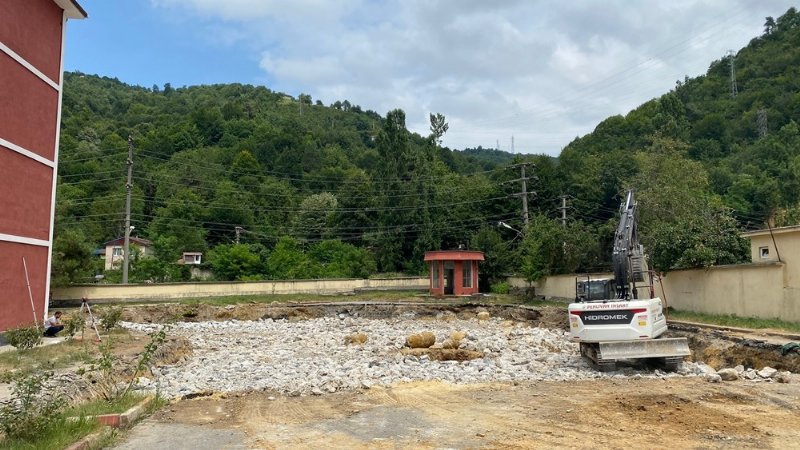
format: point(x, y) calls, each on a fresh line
point(31, 37)
point(788, 246)
point(168, 291)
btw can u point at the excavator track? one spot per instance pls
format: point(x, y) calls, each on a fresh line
point(592, 352)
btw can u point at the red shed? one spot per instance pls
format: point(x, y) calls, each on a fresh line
point(454, 272)
point(31, 81)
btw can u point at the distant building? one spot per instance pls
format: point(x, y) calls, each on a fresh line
point(115, 250)
point(453, 272)
point(191, 258)
point(31, 81)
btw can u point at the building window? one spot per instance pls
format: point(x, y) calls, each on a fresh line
point(763, 252)
point(116, 251)
point(435, 274)
point(467, 272)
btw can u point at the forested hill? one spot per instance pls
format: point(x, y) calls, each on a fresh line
point(337, 191)
point(743, 144)
point(209, 159)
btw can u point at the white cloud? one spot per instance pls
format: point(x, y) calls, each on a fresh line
point(542, 71)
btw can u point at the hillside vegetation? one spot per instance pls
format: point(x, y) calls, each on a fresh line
point(321, 191)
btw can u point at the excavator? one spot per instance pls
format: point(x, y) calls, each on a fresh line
point(620, 318)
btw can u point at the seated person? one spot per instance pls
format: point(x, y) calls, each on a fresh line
point(53, 325)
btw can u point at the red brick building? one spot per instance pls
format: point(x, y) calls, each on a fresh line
point(453, 272)
point(31, 68)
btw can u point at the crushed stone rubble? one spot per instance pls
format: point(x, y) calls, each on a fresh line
point(311, 357)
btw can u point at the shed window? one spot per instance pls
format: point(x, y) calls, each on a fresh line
point(467, 279)
point(763, 252)
point(435, 274)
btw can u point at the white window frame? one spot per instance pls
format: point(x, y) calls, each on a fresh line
point(763, 252)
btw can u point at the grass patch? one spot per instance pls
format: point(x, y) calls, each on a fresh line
point(56, 356)
point(57, 434)
point(50, 357)
point(100, 406)
point(735, 321)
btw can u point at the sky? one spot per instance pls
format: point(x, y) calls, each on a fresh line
point(519, 75)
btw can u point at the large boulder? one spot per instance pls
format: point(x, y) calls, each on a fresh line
point(355, 338)
point(483, 315)
point(767, 372)
point(728, 374)
point(454, 341)
point(421, 340)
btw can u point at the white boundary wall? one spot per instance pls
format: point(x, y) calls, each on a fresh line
point(169, 291)
point(745, 290)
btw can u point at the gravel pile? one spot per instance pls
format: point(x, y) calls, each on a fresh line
point(311, 356)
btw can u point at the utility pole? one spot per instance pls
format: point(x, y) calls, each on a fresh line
point(238, 232)
point(524, 194)
point(128, 187)
point(512, 143)
point(563, 210)
point(734, 88)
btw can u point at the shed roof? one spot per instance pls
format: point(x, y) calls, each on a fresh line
point(454, 255)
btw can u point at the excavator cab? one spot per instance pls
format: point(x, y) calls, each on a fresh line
point(587, 289)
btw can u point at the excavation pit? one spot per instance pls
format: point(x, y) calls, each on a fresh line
point(305, 350)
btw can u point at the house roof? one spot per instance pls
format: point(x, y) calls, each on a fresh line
point(779, 230)
point(72, 8)
point(454, 255)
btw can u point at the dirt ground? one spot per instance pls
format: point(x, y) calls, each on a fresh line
point(616, 413)
point(620, 413)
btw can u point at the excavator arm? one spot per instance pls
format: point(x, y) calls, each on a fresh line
point(628, 257)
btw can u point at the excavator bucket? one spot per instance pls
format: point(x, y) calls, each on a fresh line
point(651, 348)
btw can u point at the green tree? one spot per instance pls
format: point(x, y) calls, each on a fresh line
point(287, 262)
point(72, 259)
point(182, 218)
point(681, 224)
point(498, 254)
point(235, 262)
point(341, 260)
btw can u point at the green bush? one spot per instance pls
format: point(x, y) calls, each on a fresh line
point(24, 337)
point(73, 324)
point(500, 288)
point(31, 408)
point(110, 318)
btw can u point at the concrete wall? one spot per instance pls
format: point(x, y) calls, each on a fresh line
point(746, 290)
point(170, 291)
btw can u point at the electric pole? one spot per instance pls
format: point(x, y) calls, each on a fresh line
point(563, 210)
point(238, 232)
point(128, 187)
point(524, 194)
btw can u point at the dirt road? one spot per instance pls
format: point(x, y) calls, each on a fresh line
point(624, 413)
